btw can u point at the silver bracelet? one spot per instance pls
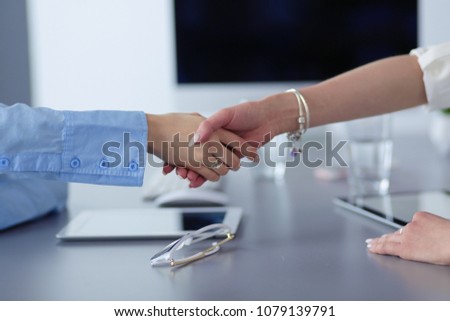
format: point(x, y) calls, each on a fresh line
point(303, 122)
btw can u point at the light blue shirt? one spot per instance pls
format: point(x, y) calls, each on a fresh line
point(41, 148)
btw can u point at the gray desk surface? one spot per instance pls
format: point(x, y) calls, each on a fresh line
point(293, 244)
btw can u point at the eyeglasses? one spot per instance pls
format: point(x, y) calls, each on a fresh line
point(169, 256)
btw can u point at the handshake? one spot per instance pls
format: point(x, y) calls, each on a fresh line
point(201, 149)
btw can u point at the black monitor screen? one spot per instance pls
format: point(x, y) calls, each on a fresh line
point(287, 40)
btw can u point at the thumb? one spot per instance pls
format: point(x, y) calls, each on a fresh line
point(207, 127)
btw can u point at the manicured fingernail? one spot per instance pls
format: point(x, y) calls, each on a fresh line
point(369, 240)
point(194, 140)
point(369, 246)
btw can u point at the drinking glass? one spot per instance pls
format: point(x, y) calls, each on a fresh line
point(370, 155)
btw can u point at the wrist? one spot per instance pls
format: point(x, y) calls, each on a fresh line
point(155, 136)
point(283, 112)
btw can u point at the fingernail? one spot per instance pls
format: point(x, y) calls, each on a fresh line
point(369, 240)
point(369, 246)
point(164, 173)
point(194, 140)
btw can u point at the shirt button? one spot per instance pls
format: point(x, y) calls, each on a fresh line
point(104, 163)
point(75, 162)
point(4, 162)
point(133, 166)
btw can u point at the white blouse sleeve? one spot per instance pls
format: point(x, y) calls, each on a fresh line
point(435, 64)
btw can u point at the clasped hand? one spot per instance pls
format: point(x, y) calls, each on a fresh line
point(251, 124)
point(171, 138)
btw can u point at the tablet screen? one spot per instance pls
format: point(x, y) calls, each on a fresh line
point(192, 221)
point(399, 208)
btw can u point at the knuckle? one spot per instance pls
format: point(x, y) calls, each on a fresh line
point(206, 123)
point(418, 216)
point(234, 144)
point(380, 247)
point(214, 178)
point(236, 165)
point(406, 228)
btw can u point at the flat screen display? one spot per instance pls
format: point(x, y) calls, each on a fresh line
point(398, 209)
point(287, 40)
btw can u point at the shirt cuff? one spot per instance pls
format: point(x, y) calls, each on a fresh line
point(104, 147)
point(435, 64)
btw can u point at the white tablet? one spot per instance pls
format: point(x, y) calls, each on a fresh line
point(146, 223)
point(397, 209)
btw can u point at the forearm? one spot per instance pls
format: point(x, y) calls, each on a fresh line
point(380, 87)
point(22, 200)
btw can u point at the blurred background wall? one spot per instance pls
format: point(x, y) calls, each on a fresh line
point(14, 62)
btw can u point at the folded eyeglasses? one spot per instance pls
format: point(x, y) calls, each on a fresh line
point(172, 255)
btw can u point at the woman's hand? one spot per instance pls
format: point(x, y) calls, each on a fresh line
point(169, 136)
point(426, 239)
point(257, 122)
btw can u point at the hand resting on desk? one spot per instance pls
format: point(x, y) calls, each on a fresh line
point(425, 239)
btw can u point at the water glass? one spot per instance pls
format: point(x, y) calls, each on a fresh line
point(370, 155)
point(274, 157)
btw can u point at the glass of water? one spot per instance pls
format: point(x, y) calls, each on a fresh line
point(370, 155)
point(274, 157)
